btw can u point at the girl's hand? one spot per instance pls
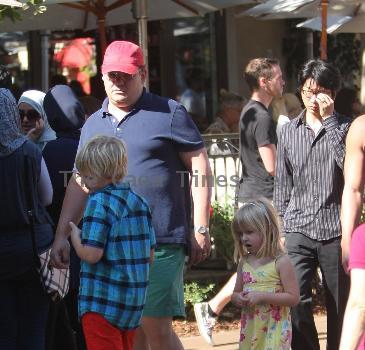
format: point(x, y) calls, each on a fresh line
point(253, 298)
point(237, 299)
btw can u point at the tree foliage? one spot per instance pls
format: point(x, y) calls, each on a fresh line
point(15, 14)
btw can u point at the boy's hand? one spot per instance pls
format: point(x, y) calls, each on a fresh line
point(75, 231)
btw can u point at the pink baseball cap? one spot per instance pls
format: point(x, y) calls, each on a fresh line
point(122, 56)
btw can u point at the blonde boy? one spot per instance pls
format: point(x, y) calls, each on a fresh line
point(115, 246)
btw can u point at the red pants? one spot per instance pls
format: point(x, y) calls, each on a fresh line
point(102, 335)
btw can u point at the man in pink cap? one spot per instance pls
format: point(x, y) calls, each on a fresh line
point(164, 147)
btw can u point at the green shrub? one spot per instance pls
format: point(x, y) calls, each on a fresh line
point(196, 293)
point(220, 230)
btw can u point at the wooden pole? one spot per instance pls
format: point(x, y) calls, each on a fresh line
point(139, 10)
point(324, 8)
point(102, 33)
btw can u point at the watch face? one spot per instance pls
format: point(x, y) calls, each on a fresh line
point(203, 230)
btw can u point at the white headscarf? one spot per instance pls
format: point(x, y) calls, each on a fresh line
point(35, 98)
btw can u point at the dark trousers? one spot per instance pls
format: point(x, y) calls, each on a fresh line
point(306, 255)
point(23, 310)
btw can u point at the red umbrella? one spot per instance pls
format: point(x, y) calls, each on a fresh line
point(76, 54)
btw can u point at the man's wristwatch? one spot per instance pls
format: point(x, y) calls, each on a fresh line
point(203, 230)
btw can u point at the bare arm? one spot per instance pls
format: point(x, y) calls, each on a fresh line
point(198, 164)
point(352, 197)
point(354, 320)
point(44, 188)
point(268, 156)
point(86, 253)
point(237, 296)
point(290, 294)
point(72, 210)
point(73, 206)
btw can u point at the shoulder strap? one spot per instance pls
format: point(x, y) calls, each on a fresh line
point(30, 210)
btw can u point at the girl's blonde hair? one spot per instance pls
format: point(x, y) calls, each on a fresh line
point(259, 216)
point(103, 156)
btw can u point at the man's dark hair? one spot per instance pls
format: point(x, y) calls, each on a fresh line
point(325, 74)
point(259, 68)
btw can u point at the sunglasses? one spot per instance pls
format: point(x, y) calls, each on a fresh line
point(32, 115)
point(120, 76)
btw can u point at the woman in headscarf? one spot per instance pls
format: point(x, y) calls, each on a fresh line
point(66, 117)
point(33, 118)
point(24, 183)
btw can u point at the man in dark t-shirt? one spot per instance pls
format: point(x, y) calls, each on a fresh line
point(257, 153)
point(257, 130)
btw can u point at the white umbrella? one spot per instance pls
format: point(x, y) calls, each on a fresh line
point(352, 22)
point(91, 14)
point(11, 3)
point(60, 16)
point(334, 11)
point(282, 9)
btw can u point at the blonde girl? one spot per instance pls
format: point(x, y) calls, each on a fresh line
point(266, 285)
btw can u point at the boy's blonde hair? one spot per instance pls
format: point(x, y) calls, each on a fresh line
point(260, 216)
point(103, 156)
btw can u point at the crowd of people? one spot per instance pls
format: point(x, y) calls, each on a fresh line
point(305, 176)
point(119, 193)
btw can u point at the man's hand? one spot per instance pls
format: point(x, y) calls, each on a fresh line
point(200, 248)
point(60, 253)
point(326, 105)
point(345, 246)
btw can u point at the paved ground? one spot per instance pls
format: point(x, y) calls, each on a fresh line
point(227, 340)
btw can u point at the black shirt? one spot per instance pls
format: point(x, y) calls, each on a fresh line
point(257, 129)
point(309, 177)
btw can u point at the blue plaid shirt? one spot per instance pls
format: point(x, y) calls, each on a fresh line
point(118, 221)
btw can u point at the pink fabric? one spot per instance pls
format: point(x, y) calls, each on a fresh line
point(357, 259)
point(357, 250)
point(362, 344)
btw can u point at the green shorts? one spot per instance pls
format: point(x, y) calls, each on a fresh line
point(165, 292)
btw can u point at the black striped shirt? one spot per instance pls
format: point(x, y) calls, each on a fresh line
point(309, 177)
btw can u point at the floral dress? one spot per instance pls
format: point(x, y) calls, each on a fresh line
point(264, 326)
